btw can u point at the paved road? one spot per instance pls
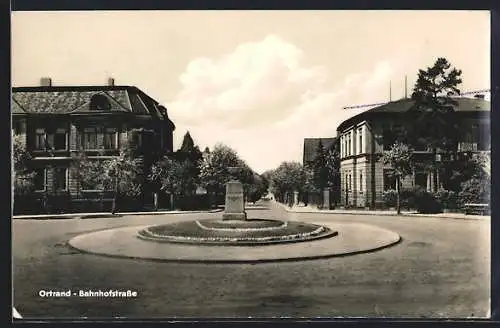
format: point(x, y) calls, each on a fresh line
point(441, 269)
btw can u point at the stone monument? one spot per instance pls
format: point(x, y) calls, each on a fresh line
point(234, 208)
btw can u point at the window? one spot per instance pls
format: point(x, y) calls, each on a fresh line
point(100, 102)
point(60, 178)
point(349, 144)
point(16, 127)
point(360, 181)
point(389, 179)
point(341, 146)
point(360, 136)
point(60, 137)
point(345, 145)
point(110, 138)
point(40, 179)
point(40, 140)
point(350, 182)
point(90, 138)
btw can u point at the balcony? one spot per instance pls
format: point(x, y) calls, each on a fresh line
point(467, 146)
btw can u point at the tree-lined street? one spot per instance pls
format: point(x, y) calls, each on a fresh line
point(441, 269)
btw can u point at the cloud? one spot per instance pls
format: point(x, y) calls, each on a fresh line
point(263, 100)
point(257, 83)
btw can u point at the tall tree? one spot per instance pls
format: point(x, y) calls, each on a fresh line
point(187, 143)
point(320, 170)
point(432, 116)
point(399, 158)
point(191, 153)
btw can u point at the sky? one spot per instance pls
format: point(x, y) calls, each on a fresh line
point(257, 81)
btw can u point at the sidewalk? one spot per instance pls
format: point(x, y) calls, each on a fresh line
point(312, 209)
point(104, 214)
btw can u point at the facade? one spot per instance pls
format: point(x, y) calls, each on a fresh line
point(58, 122)
point(364, 137)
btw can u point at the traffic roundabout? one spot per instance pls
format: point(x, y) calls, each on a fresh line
point(218, 241)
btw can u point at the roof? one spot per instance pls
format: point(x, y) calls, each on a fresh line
point(403, 105)
point(80, 100)
point(311, 145)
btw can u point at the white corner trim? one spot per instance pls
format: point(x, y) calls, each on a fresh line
point(16, 314)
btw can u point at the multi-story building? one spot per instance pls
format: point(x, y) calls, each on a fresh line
point(365, 136)
point(58, 122)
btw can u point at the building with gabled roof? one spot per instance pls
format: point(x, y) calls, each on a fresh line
point(311, 147)
point(58, 122)
point(365, 136)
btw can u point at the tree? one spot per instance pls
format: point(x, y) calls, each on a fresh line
point(333, 169)
point(466, 167)
point(121, 175)
point(323, 171)
point(287, 178)
point(214, 172)
point(320, 170)
point(399, 158)
point(23, 176)
point(309, 184)
point(123, 172)
point(432, 116)
point(90, 174)
point(257, 189)
point(191, 153)
point(173, 176)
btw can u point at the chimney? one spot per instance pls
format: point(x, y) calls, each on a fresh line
point(111, 81)
point(479, 96)
point(46, 82)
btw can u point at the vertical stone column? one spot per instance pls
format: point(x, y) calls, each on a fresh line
point(295, 198)
point(326, 198)
point(234, 207)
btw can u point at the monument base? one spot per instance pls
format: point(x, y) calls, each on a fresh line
point(234, 216)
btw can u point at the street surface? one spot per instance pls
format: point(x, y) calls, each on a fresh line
point(440, 269)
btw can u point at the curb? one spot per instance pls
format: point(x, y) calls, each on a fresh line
point(257, 260)
point(103, 215)
point(287, 209)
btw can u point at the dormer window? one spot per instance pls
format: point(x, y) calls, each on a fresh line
point(100, 102)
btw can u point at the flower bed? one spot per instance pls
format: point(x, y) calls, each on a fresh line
point(241, 225)
point(194, 232)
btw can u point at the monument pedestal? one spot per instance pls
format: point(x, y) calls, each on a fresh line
point(235, 205)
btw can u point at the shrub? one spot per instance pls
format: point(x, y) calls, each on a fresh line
point(447, 198)
point(390, 198)
point(474, 191)
point(426, 202)
point(192, 202)
point(407, 198)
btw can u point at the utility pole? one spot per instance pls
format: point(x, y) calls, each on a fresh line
point(390, 91)
point(406, 87)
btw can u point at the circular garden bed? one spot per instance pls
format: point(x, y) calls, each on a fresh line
point(244, 232)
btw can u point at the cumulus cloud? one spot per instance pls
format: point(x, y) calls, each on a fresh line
point(256, 83)
point(263, 100)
